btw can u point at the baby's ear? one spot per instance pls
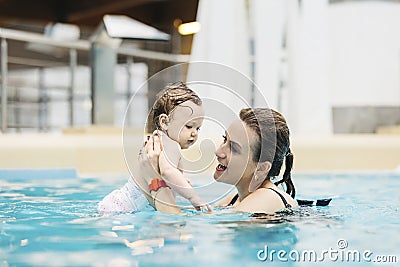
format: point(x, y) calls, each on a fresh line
point(163, 120)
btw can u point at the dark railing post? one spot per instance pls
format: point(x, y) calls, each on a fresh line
point(4, 80)
point(73, 62)
point(42, 101)
point(129, 64)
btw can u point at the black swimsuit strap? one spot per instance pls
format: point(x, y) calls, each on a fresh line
point(233, 200)
point(287, 205)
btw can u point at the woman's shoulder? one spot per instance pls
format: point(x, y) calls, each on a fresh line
point(279, 195)
point(265, 200)
point(230, 200)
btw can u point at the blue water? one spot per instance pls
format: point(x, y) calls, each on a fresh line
point(53, 222)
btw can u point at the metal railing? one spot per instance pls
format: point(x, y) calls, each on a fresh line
point(73, 47)
point(4, 84)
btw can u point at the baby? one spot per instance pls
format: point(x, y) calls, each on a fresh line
point(178, 114)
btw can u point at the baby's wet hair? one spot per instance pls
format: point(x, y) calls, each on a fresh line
point(167, 100)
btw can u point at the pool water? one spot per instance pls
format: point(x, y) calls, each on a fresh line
point(53, 222)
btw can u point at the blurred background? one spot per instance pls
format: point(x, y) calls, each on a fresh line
point(332, 67)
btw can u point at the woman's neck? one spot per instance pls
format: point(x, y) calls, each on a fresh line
point(242, 192)
point(243, 188)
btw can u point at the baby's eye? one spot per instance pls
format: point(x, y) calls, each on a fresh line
point(189, 127)
point(224, 137)
point(198, 128)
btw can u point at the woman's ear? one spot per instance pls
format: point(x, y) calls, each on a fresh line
point(163, 120)
point(260, 174)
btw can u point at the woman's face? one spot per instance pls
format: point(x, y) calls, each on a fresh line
point(235, 155)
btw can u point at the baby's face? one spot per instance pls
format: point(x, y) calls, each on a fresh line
point(184, 123)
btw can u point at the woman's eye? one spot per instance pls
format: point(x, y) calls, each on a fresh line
point(189, 127)
point(224, 137)
point(234, 150)
point(198, 128)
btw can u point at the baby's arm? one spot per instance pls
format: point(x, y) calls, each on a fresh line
point(175, 179)
point(168, 162)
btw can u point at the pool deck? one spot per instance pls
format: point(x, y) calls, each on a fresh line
point(100, 151)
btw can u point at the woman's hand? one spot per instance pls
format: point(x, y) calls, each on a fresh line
point(149, 156)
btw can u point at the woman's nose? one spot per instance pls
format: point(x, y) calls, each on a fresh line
point(220, 153)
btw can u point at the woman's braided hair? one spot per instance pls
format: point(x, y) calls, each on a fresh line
point(273, 144)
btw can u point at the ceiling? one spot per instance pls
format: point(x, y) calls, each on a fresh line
point(34, 15)
point(88, 13)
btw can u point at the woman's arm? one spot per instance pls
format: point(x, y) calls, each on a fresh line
point(163, 199)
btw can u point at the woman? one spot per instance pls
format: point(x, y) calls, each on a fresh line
point(252, 153)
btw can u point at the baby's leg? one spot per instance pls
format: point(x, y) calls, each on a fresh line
point(128, 198)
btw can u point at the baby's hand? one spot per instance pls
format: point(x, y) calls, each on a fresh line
point(199, 204)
